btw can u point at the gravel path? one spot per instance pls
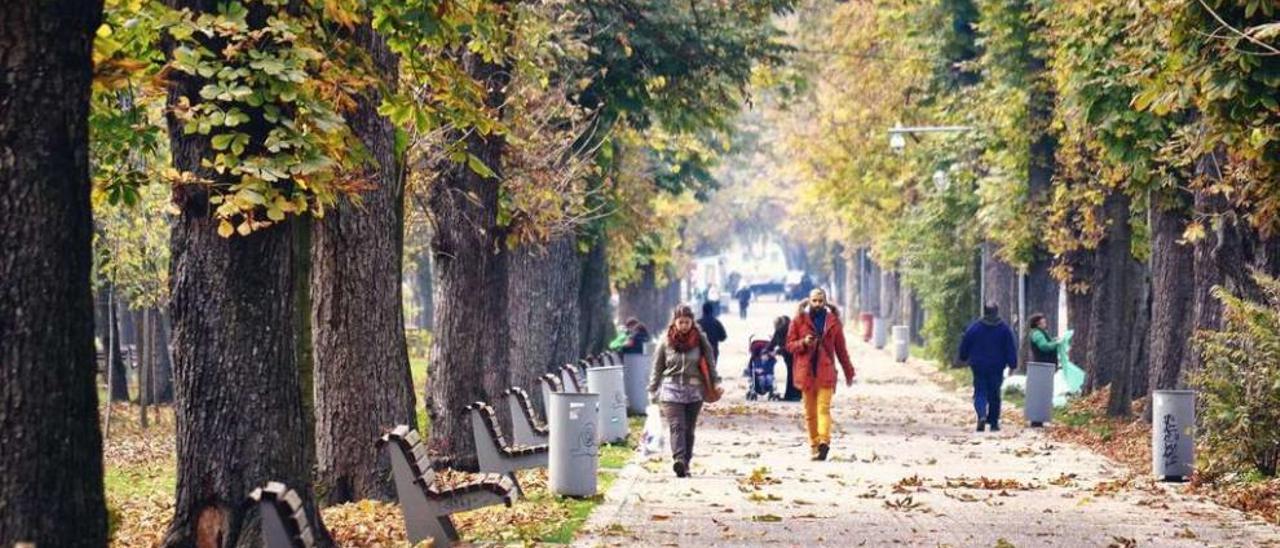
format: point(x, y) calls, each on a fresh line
point(906, 469)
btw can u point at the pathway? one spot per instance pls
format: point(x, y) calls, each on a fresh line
point(906, 469)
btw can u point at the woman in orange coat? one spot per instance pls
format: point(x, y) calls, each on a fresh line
point(816, 340)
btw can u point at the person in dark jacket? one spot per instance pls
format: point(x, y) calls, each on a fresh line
point(1044, 348)
point(778, 345)
point(712, 328)
point(637, 336)
point(744, 300)
point(989, 347)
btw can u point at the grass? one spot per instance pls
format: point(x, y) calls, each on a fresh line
point(418, 370)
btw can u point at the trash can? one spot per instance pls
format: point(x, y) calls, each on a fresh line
point(867, 319)
point(879, 335)
point(1038, 407)
point(609, 383)
point(635, 373)
point(901, 343)
point(575, 451)
point(1173, 423)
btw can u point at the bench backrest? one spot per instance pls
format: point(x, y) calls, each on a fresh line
point(284, 521)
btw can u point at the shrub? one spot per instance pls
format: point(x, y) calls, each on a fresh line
point(1240, 386)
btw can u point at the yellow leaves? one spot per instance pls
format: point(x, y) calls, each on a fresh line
point(1194, 232)
point(225, 229)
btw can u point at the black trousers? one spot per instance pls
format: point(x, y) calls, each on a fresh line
point(682, 419)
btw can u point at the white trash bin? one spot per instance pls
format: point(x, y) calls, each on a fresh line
point(901, 343)
point(879, 335)
point(1038, 407)
point(575, 450)
point(609, 383)
point(1173, 434)
point(635, 373)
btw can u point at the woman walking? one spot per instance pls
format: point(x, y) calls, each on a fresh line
point(677, 384)
point(778, 345)
point(816, 340)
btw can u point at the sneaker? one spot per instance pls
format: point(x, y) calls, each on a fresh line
point(823, 449)
point(680, 468)
point(982, 426)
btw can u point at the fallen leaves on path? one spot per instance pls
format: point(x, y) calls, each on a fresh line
point(989, 484)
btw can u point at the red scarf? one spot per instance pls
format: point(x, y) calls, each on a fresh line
point(683, 342)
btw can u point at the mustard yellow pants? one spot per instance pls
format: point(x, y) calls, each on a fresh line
point(817, 414)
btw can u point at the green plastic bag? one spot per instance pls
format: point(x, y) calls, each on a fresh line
point(1070, 371)
point(618, 341)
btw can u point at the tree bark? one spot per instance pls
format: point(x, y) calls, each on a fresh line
point(1173, 294)
point(644, 300)
point(871, 292)
point(1114, 313)
point(1080, 305)
point(1000, 285)
point(595, 314)
point(470, 344)
point(238, 401)
point(362, 380)
point(543, 315)
point(119, 373)
point(51, 490)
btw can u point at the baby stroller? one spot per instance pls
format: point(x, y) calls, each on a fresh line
point(760, 370)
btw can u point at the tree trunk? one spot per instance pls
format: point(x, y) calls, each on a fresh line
point(1116, 290)
point(362, 380)
point(423, 289)
point(854, 284)
point(163, 371)
point(470, 344)
point(543, 311)
point(871, 287)
point(238, 405)
point(838, 282)
point(51, 457)
point(1041, 294)
point(1000, 285)
point(890, 298)
point(1133, 379)
point(147, 353)
point(119, 373)
point(1173, 294)
point(303, 349)
point(595, 315)
point(1080, 305)
point(644, 300)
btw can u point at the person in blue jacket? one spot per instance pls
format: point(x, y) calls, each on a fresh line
point(989, 347)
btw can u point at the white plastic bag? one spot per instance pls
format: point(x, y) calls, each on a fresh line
point(654, 440)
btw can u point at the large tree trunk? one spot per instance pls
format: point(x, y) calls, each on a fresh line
point(1118, 298)
point(50, 444)
point(362, 380)
point(1173, 295)
point(543, 311)
point(470, 343)
point(595, 313)
point(1041, 294)
point(239, 412)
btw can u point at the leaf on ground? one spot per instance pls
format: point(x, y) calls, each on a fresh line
point(766, 518)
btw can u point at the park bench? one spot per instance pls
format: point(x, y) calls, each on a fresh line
point(425, 504)
point(284, 521)
point(550, 384)
point(494, 454)
point(525, 428)
point(569, 379)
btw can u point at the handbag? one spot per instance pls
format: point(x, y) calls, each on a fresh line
point(710, 392)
